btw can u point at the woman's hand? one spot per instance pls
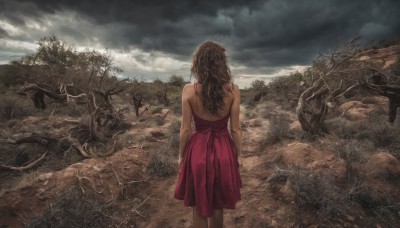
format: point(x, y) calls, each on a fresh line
point(239, 160)
point(180, 161)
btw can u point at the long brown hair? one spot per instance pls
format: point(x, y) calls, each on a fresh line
point(210, 68)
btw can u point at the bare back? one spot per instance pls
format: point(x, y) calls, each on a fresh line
point(196, 102)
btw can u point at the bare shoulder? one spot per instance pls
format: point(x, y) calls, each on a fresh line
point(188, 89)
point(235, 90)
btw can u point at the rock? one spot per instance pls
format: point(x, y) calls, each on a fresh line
point(45, 176)
point(356, 109)
point(295, 126)
point(382, 165)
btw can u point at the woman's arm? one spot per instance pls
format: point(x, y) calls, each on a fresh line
point(185, 123)
point(235, 122)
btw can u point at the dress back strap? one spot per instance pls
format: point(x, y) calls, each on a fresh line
point(195, 94)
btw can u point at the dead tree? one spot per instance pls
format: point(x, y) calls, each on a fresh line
point(333, 82)
point(37, 92)
point(27, 166)
point(391, 91)
point(162, 96)
point(137, 102)
point(106, 95)
point(259, 95)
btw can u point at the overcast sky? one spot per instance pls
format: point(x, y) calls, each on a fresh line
point(156, 39)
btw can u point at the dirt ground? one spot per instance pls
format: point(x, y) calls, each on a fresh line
point(139, 199)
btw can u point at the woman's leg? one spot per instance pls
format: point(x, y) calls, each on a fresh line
point(198, 220)
point(217, 220)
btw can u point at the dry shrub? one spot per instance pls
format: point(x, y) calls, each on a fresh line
point(378, 205)
point(316, 193)
point(383, 134)
point(247, 99)
point(278, 129)
point(74, 209)
point(162, 162)
point(346, 129)
point(70, 109)
point(125, 141)
point(12, 107)
point(268, 110)
point(176, 107)
point(175, 127)
point(174, 139)
point(352, 152)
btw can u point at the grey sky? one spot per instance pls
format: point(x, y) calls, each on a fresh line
point(155, 39)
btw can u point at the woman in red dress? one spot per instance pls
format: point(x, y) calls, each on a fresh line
point(209, 157)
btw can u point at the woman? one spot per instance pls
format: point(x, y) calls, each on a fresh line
point(209, 158)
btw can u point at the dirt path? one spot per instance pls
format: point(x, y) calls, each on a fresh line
point(257, 208)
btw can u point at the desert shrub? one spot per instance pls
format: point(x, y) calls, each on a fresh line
point(383, 134)
point(258, 84)
point(346, 129)
point(12, 107)
point(70, 109)
point(317, 193)
point(125, 141)
point(278, 129)
point(162, 162)
point(377, 204)
point(176, 80)
point(74, 209)
point(175, 127)
point(352, 152)
point(248, 100)
point(176, 107)
point(268, 110)
point(289, 87)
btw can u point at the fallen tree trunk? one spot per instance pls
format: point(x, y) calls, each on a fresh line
point(22, 168)
point(392, 92)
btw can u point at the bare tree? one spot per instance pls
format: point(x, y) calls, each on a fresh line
point(336, 76)
point(137, 99)
point(389, 90)
point(162, 96)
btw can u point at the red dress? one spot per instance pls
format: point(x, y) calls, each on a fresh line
point(209, 176)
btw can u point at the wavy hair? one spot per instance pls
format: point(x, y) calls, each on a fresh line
point(210, 68)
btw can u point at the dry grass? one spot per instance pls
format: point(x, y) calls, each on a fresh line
point(353, 152)
point(13, 107)
point(74, 209)
point(314, 193)
point(383, 134)
point(162, 162)
point(278, 129)
point(379, 206)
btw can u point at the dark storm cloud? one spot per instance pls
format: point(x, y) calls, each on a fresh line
point(256, 33)
point(3, 33)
